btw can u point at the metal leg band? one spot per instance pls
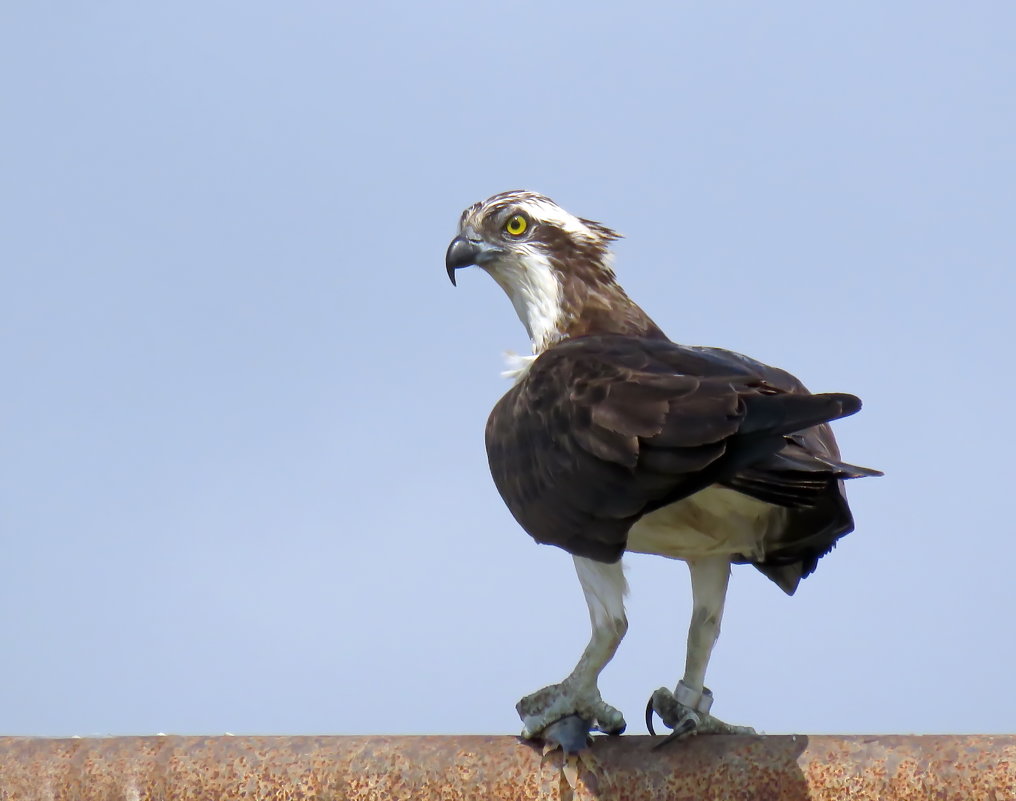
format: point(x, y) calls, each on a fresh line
point(699, 700)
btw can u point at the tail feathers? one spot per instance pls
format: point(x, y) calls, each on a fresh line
point(800, 461)
point(786, 577)
point(794, 477)
point(845, 470)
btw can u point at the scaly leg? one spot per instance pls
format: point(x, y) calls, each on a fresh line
point(686, 710)
point(604, 586)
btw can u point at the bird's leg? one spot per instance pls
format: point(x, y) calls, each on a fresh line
point(686, 709)
point(578, 696)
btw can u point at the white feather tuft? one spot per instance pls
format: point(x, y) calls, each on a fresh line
point(517, 365)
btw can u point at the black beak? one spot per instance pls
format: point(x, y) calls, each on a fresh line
point(461, 253)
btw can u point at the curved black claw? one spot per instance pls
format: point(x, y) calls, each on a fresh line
point(684, 727)
point(649, 717)
point(571, 733)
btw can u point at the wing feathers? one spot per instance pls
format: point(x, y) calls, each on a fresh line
point(624, 410)
point(676, 461)
point(789, 413)
point(711, 414)
point(603, 429)
point(608, 445)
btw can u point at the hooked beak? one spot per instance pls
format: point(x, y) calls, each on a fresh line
point(463, 252)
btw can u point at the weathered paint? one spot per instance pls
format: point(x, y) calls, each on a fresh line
point(767, 768)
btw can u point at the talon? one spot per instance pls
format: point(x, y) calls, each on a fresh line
point(682, 729)
point(563, 716)
point(688, 723)
point(688, 713)
point(649, 717)
point(570, 733)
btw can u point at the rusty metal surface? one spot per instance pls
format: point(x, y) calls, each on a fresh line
point(770, 768)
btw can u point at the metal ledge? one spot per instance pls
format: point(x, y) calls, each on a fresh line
point(768, 768)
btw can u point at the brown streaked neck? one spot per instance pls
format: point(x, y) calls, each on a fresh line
point(596, 304)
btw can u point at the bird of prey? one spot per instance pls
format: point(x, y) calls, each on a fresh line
point(615, 439)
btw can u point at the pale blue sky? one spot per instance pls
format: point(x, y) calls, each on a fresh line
point(243, 485)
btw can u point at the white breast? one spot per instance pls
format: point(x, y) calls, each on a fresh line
point(711, 522)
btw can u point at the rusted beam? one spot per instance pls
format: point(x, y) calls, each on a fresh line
point(770, 768)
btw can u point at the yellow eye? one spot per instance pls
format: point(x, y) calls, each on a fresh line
point(516, 225)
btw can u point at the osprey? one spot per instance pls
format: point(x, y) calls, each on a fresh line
point(616, 439)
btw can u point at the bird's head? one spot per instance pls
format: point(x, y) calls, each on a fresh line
point(555, 267)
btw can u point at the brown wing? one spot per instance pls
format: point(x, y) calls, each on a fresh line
point(604, 429)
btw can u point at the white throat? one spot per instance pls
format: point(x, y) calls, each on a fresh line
point(535, 292)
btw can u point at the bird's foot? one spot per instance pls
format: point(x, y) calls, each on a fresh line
point(686, 712)
point(564, 715)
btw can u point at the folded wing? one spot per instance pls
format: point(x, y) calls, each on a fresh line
point(604, 429)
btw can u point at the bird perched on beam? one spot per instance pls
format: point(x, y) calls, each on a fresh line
point(616, 439)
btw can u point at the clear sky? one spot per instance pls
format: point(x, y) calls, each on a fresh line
point(242, 477)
